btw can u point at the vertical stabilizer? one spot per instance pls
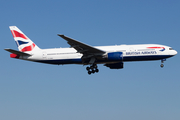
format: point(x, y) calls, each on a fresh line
point(23, 42)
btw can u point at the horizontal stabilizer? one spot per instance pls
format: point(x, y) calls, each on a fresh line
point(17, 52)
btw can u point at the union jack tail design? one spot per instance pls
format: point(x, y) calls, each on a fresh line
point(23, 42)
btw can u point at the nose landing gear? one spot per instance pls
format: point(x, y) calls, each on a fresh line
point(92, 69)
point(162, 61)
point(162, 65)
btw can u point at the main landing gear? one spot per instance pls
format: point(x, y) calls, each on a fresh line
point(92, 69)
point(162, 61)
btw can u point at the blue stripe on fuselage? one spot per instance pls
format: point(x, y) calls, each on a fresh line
point(146, 58)
point(61, 61)
point(125, 59)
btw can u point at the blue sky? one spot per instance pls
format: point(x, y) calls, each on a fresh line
point(142, 90)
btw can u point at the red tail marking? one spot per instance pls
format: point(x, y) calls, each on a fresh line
point(17, 34)
point(12, 55)
point(28, 48)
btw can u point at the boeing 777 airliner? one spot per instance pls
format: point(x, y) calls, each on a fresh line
point(81, 53)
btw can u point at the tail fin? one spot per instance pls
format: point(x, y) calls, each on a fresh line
point(23, 42)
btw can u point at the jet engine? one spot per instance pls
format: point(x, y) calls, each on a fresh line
point(114, 56)
point(119, 65)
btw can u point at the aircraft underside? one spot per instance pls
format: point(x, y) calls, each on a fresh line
point(125, 59)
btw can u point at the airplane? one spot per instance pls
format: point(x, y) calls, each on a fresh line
point(84, 54)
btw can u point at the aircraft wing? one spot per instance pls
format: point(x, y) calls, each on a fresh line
point(81, 47)
point(17, 52)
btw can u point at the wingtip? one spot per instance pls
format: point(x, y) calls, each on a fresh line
point(60, 35)
point(6, 49)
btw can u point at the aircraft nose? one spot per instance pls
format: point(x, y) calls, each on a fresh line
point(175, 52)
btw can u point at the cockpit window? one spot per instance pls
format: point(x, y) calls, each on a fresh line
point(170, 48)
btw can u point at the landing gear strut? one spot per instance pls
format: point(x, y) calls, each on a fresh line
point(162, 61)
point(92, 69)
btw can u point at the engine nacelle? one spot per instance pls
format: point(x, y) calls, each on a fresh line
point(119, 65)
point(115, 56)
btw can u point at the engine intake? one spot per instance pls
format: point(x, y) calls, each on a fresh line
point(115, 56)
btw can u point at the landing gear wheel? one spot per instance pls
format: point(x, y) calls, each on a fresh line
point(89, 72)
point(162, 65)
point(162, 61)
point(92, 69)
point(97, 70)
point(87, 68)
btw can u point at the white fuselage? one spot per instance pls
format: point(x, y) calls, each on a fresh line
point(142, 52)
point(81, 53)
